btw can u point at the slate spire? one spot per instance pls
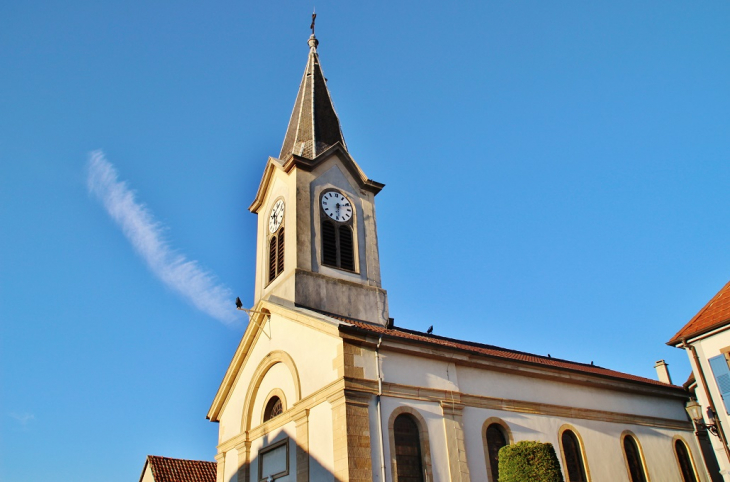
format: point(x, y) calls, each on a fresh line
point(314, 126)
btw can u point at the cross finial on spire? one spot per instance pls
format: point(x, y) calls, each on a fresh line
point(313, 42)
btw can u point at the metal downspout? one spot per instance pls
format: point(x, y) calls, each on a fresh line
point(720, 430)
point(380, 415)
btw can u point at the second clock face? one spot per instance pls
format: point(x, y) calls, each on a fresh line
point(337, 206)
point(276, 216)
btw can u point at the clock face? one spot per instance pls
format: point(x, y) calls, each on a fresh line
point(337, 206)
point(276, 216)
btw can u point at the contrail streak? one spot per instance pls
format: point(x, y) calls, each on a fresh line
point(146, 236)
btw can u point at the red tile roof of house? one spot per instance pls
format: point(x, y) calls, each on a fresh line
point(166, 469)
point(715, 314)
point(495, 351)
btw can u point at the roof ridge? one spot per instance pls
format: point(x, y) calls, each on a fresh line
point(497, 347)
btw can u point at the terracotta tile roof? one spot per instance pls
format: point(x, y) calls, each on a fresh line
point(715, 314)
point(166, 469)
point(495, 351)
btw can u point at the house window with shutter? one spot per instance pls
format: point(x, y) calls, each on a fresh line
point(337, 233)
point(722, 378)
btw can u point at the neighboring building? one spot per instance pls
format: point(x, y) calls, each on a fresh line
point(166, 469)
point(706, 339)
point(324, 387)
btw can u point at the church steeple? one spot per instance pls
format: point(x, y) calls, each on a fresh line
point(314, 126)
point(317, 236)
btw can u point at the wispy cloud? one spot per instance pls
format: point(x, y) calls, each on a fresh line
point(23, 418)
point(146, 236)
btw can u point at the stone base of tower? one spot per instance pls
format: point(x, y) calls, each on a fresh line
point(340, 297)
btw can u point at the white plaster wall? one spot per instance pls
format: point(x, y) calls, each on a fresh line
point(602, 442)
point(230, 470)
point(312, 351)
point(321, 455)
point(288, 430)
point(147, 476)
point(424, 372)
point(418, 371)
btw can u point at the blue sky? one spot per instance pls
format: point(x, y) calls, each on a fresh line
point(556, 182)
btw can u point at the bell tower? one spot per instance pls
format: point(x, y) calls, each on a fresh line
point(317, 243)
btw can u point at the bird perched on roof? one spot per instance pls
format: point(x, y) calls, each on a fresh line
point(430, 330)
point(239, 305)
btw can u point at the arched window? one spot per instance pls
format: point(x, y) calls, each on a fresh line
point(496, 439)
point(574, 464)
point(276, 254)
point(273, 408)
point(685, 462)
point(337, 215)
point(407, 449)
point(637, 472)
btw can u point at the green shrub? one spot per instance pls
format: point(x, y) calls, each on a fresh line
point(529, 462)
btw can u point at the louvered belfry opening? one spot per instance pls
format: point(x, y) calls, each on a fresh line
point(407, 449)
point(347, 258)
point(633, 458)
point(685, 463)
point(338, 249)
point(272, 259)
point(280, 253)
point(573, 457)
point(338, 232)
point(495, 441)
point(329, 243)
point(276, 254)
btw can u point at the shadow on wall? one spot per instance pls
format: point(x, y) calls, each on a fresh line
point(279, 459)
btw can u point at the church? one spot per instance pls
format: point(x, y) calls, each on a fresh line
point(325, 387)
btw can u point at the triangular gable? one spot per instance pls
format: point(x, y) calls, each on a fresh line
point(254, 329)
point(309, 164)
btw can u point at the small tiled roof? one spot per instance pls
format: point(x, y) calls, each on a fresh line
point(715, 314)
point(166, 469)
point(495, 351)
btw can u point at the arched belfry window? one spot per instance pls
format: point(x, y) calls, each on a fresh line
point(685, 462)
point(273, 408)
point(338, 247)
point(408, 457)
point(276, 240)
point(574, 463)
point(634, 462)
point(495, 438)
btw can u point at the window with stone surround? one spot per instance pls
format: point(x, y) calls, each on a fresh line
point(634, 460)
point(573, 457)
point(408, 460)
